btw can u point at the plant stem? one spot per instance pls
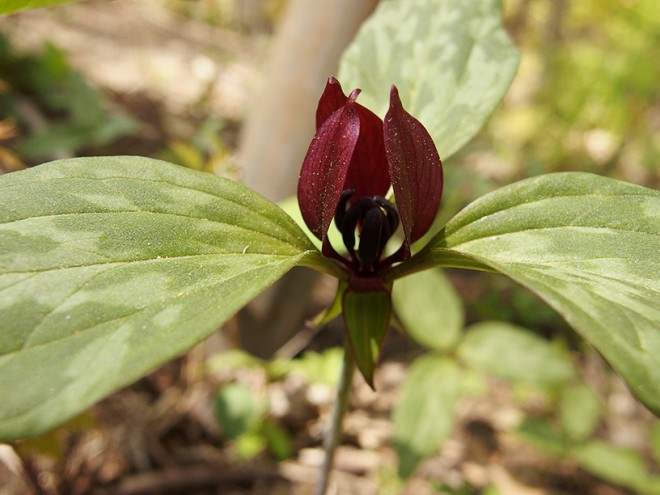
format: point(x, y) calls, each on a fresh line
point(333, 435)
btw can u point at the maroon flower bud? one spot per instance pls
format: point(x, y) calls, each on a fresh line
point(351, 163)
point(349, 167)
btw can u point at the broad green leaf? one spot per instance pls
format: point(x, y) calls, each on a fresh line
point(11, 6)
point(429, 308)
point(513, 353)
point(622, 466)
point(424, 414)
point(111, 266)
point(579, 411)
point(590, 247)
point(451, 61)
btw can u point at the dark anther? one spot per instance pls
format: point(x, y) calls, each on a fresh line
point(374, 218)
point(340, 214)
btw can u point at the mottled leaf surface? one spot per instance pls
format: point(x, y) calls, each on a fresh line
point(590, 247)
point(452, 62)
point(111, 266)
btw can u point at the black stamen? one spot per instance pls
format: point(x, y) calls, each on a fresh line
point(340, 213)
point(373, 236)
point(374, 218)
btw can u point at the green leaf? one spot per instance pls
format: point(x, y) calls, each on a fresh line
point(430, 309)
point(424, 414)
point(233, 359)
point(587, 245)
point(250, 445)
point(513, 353)
point(367, 318)
point(451, 61)
point(621, 466)
point(655, 440)
point(235, 409)
point(317, 367)
point(11, 6)
point(579, 410)
point(111, 266)
point(279, 440)
point(543, 435)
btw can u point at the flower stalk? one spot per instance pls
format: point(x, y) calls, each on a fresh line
point(333, 435)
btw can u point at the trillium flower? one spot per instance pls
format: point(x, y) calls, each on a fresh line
point(350, 165)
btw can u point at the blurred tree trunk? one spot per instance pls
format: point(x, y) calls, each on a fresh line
point(310, 40)
point(309, 43)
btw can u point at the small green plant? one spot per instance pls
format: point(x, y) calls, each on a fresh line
point(459, 360)
point(57, 111)
point(245, 420)
point(456, 366)
point(568, 432)
point(243, 413)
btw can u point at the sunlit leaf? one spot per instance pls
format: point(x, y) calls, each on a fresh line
point(513, 353)
point(590, 247)
point(621, 466)
point(429, 308)
point(452, 62)
point(424, 413)
point(111, 266)
point(579, 411)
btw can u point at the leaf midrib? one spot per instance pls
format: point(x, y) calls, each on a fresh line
point(526, 203)
point(154, 260)
point(175, 185)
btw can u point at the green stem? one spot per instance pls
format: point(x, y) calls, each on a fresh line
point(435, 257)
point(315, 260)
point(333, 435)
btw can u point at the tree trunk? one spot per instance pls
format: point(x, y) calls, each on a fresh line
point(275, 137)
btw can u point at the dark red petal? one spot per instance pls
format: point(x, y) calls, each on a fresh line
point(368, 173)
point(415, 168)
point(325, 167)
point(332, 99)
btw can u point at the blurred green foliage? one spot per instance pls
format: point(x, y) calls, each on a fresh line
point(586, 96)
point(205, 150)
point(57, 111)
point(243, 413)
point(568, 411)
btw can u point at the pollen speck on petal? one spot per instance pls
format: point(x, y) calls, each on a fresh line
point(415, 169)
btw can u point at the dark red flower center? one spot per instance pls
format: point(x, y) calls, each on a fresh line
point(374, 219)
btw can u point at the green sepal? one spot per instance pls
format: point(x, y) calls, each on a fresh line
point(367, 317)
